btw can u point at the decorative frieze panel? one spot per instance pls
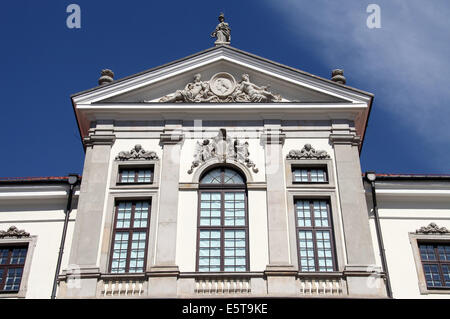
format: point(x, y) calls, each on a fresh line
point(432, 228)
point(307, 152)
point(223, 148)
point(222, 87)
point(13, 232)
point(137, 153)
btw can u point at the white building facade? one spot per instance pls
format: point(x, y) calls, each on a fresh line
point(224, 174)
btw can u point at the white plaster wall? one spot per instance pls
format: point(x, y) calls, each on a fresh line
point(258, 235)
point(44, 219)
point(398, 218)
point(187, 231)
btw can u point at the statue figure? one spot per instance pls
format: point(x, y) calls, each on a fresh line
point(193, 92)
point(222, 32)
point(250, 92)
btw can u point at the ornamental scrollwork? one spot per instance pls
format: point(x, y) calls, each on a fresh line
point(307, 152)
point(222, 87)
point(432, 228)
point(137, 153)
point(223, 148)
point(13, 232)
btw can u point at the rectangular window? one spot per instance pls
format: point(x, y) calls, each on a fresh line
point(436, 264)
point(134, 175)
point(309, 175)
point(130, 237)
point(12, 262)
point(222, 232)
point(314, 235)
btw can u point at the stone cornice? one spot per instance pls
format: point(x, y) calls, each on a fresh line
point(345, 139)
point(273, 138)
point(99, 140)
point(171, 138)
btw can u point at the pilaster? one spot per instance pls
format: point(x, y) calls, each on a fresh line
point(362, 275)
point(164, 272)
point(88, 225)
point(280, 272)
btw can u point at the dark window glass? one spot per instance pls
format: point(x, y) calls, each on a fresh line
point(436, 264)
point(136, 175)
point(222, 224)
point(12, 262)
point(314, 236)
point(309, 175)
point(128, 252)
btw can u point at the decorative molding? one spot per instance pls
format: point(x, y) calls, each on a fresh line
point(137, 153)
point(432, 228)
point(222, 87)
point(273, 138)
point(13, 232)
point(222, 147)
point(345, 139)
point(99, 140)
point(307, 152)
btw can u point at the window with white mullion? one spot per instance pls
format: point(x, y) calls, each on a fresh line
point(309, 175)
point(136, 175)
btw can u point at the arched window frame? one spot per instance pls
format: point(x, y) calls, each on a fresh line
point(222, 189)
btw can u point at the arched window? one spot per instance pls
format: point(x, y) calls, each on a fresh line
point(222, 222)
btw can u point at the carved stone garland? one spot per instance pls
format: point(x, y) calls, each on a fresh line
point(222, 87)
point(307, 152)
point(137, 153)
point(432, 228)
point(13, 232)
point(222, 147)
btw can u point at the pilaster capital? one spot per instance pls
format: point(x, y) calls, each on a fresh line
point(92, 140)
point(171, 138)
point(273, 138)
point(345, 139)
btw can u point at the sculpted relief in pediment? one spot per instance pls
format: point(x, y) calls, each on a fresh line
point(222, 87)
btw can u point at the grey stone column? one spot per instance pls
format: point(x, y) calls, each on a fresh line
point(355, 218)
point(164, 272)
point(88, 226)
point(280, 272)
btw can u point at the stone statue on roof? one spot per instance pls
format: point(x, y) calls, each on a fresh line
point(222, 32)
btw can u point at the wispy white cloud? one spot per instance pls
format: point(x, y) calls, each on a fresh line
point(407, 60)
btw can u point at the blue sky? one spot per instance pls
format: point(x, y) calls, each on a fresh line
point(405, 64)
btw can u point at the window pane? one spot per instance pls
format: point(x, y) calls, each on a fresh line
point(232, 177)
point(303, 213)
point(234, 250)
point(432, 276)
point(13, 278)
point(141, 215)
point(234, 209)
point(124, 215)
point(324, 252)
point(18, 256)
point(306, 251)
point(4, 253)
point(210, 208)
point(446, 273)
point(212, 177)
point(120, 247)
point(137, 253)
point(427, 252)
point(209, 250)
point(320, 214)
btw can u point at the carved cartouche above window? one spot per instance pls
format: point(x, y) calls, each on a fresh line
point(222, 87)
point(432, 228)
point(137, 153)
point(222, 147)
point(13, 232)
point(307, 152)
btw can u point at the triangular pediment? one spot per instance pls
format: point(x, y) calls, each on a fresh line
point(276, 82)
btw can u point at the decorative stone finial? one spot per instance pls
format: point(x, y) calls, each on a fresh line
point(432, 228)
point(13, 232)
point(307, 152)
point(338, 76)
point(106, 77)
point(222, 32)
